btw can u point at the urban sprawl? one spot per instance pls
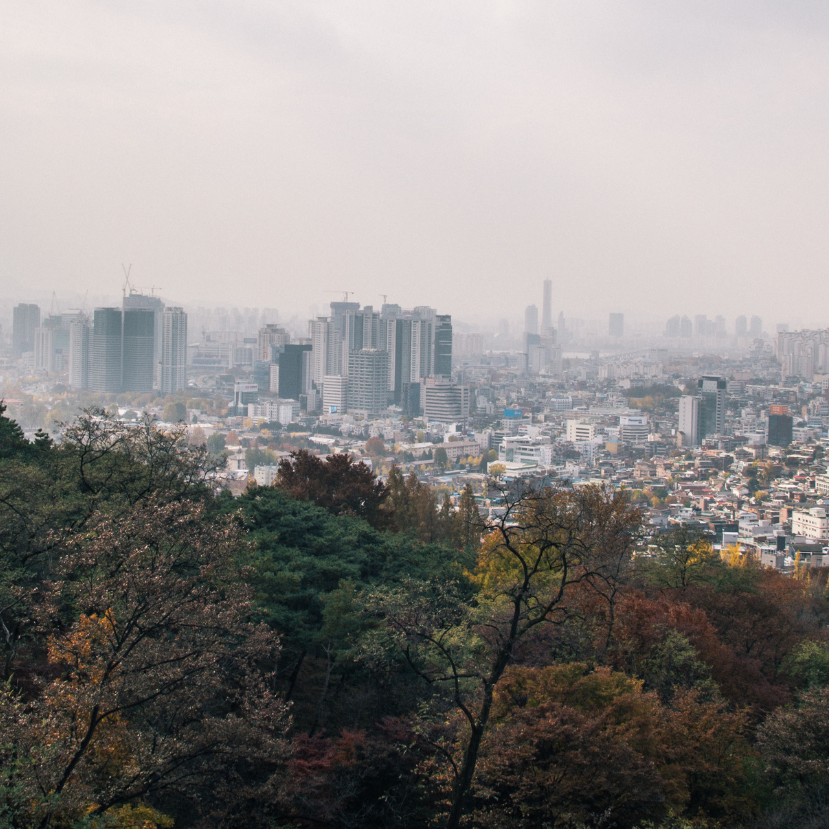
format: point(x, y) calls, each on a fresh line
point(715, 425)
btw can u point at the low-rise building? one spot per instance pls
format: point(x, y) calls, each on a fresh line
point(812, 523)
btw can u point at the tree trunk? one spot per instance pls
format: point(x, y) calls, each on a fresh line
point(294, 675)
point(463, 781)
point(318, 715)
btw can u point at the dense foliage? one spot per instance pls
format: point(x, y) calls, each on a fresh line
point(338, 651)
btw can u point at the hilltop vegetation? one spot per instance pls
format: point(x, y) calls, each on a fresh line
point(338, 651)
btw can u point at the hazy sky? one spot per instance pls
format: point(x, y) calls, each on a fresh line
point(668, 156)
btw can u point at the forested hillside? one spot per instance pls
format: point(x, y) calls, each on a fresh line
point(335, 651)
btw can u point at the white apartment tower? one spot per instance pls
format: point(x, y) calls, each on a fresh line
point(173, 364)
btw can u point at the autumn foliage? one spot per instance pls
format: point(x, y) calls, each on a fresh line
point(342, 651)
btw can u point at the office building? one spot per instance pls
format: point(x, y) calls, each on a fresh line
point(616, 325)
point(141, 302)
point(633, 429)
point(443, 345)
point(79, 339)
point(547, 309)
point(293, 366)
point(44, 350)
point(780, 426)
point(318, 333)
point(368, 381)
point(243, 395)
point(531, 320)
point(105, 350)
point(138, 349)
point(444, 402)
point(173, 366)
point(812, 523)
point(335, 394)
point(579, 432)
point(711, 406)
point(741, 326)
point(688, 427)
point(25, 319)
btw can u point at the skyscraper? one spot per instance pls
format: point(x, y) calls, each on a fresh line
point(711, 406)
point(531, 320)
point(443, 345)
point(741, 326)
point(44, 350)
point(79, 338)
point(142, 302)
point(25, 318)
point(173, 351)
point(688, 426)
point(616, 325)
point(756, 328)
point(291, 384)
point(138, 349)
point(368, 381)
point(105, 350)
point(547, 309)
point(318, 332)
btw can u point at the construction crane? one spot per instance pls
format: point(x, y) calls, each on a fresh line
point(385, 298)
point(127, 284)
point(346, 294)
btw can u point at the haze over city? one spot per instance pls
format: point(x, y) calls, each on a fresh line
point(649, 159)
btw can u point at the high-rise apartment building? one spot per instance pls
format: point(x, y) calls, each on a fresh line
point(547, 309)
point(25, 319)
point(318, 333)
point(271, 337)
point(173, 366)
point(741, 326)
point(138, 349)
point(531, 320)
point(803, 353)
point(368, 381)
point(105, 350)
point(616, 325)
point(756, 327)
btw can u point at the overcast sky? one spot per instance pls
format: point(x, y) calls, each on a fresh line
point(666, 156)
